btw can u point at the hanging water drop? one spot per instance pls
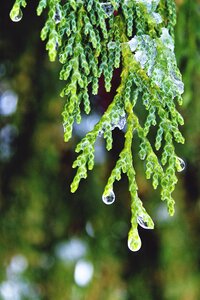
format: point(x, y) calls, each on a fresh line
point(180, 164)
point(16, 17)
point(145, 221)
point(134, 241)
point(100, 133)
point(109, 198)
point(56, 46)
point(57, 16)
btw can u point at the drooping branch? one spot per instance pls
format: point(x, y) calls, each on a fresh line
point(91, 39)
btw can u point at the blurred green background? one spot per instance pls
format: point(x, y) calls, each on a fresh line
point(56, 245)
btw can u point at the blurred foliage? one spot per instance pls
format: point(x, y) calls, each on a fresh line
point(40, 220)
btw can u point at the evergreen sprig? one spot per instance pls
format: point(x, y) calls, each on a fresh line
point(91, 39)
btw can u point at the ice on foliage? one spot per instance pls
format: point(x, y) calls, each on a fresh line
point(177, 82)
point(151, 5)
point(141, 57)
point(145, 51)
point(160, 70)
point(157, 17)
point(158, 76)
point(166, 39)
point(133, 43)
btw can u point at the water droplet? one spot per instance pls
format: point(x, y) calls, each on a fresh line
point(16, 17)
point(134, 241)
point(180, 164)
point(109, 198)
point(100, 133)
point(108, 8)
point(57, 16)
point(56, 46)
point(145, 221)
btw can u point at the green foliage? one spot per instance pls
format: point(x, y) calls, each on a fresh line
point(91, 39)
